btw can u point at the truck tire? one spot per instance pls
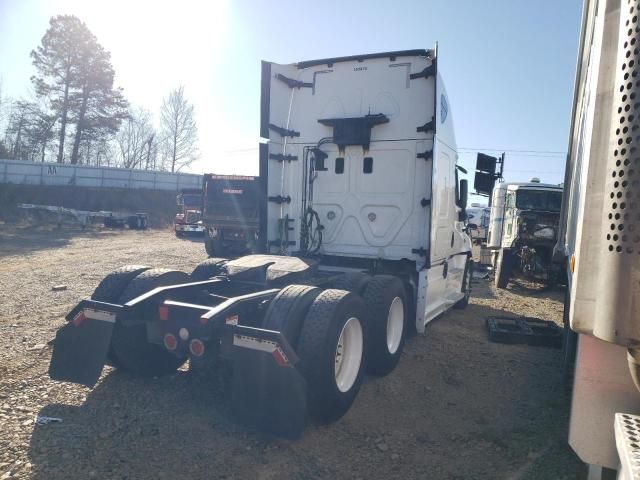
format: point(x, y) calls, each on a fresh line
point(110, 289)
point(208, 246)
point(112, 286)
point(129, 346)
point(209, 268)
point(332, 348)
point(386, 301)
point(466, 286)
point(287, 311)
point(504, 264)
point(214, 247)
point(355, 282)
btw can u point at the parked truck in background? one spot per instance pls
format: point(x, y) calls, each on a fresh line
point(478, 222)
point(189, 217)
point(599, 241)
point(523, 226)
point(362, 237)
point(230, 214)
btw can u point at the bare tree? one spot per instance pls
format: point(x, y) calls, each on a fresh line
point(178, 131)
point(2, 103)
point(4, 150)
point(135, 140)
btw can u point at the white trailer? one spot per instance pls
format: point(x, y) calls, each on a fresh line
point(362, 237)
point(600, 243)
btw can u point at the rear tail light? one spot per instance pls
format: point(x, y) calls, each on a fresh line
point(79, 318)
point(196, 347)
point(170, 341)
point(163, 312)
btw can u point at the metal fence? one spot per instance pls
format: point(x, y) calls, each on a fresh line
point(30, 173)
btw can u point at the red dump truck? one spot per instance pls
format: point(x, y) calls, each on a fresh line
point(189, 217)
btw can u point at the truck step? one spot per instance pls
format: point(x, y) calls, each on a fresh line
point(627, 431)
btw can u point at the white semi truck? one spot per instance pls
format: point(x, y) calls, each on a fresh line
point(523, 226)
point(599, 241)
point(361, 229)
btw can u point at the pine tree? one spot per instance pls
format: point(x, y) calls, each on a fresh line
point(57, 60)
point(75, 73)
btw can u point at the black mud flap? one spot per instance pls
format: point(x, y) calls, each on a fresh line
point(269, 393)
point(81, 346)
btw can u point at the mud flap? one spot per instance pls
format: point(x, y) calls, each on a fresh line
point(268, 394)
point(81, 346)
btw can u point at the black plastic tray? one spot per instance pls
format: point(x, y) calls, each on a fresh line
point(524, 330)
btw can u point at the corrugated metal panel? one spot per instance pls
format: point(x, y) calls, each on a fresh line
point(28, 173)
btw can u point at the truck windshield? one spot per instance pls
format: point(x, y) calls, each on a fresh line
point(539, 200)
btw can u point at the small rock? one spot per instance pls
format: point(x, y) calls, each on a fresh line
point(395, 456)
point(383, 447)
point(58, 288)
point(37, 346)
point(6, 475)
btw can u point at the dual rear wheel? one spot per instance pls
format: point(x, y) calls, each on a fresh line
point(340, 334)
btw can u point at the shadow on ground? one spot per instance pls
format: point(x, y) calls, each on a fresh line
point(457, 406)
point(26, 239)
point(125, 418)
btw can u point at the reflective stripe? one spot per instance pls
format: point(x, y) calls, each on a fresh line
point(267, 346)
point(99, 315)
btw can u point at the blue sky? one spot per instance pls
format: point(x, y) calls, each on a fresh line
point(508, 65)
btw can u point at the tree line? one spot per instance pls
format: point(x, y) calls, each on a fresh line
point(75, 114)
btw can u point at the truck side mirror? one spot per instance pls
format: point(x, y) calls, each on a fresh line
point(461, 201)
point(464, 194)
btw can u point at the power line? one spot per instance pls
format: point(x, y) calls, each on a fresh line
point(240, 150)
point(513, 150)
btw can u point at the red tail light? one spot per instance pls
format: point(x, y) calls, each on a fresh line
point(163, 312)
point(196, 347)
point(79, 318)
point(170, 341)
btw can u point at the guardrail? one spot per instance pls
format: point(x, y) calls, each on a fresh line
point(31, 173)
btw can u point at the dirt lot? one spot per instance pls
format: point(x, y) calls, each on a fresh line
point(456, 407)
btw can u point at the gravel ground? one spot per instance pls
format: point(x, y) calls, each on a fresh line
point(456, 407)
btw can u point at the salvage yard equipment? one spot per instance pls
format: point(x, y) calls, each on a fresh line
point(135, 221)
point(362, 229)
